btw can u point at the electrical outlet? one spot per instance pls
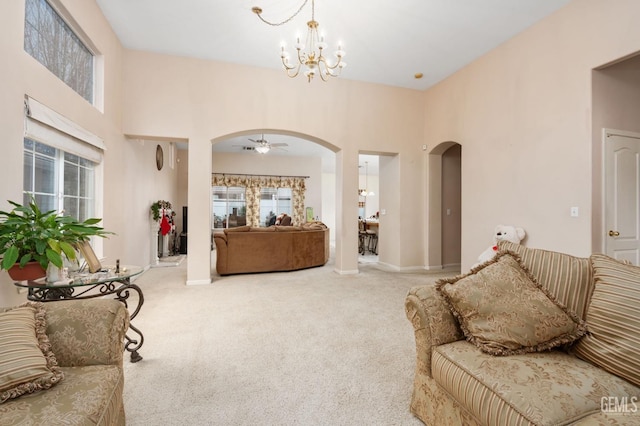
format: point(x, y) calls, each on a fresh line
point(574, 212)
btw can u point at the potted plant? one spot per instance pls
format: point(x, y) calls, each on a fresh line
point(31, 237)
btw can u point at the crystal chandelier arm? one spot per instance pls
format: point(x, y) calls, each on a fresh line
point(324, 74)
point(285, 59)
point(258, 11)
point(289, 68)
point(302, 58)
point(327, 70)
point(295, 74)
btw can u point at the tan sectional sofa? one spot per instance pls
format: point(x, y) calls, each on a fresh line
point(276, 248)
point(72, 374)
point(594, 380)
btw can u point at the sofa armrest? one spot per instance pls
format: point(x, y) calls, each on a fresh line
point(432, 321)
point(87, 332)
point(222, 253)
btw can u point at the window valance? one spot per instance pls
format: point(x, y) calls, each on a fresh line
point(259, 181)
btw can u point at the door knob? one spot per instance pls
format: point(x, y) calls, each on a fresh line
point(614, 234)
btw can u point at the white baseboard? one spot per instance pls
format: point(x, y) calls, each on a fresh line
point(443, 268)
point(350, 272)
point(199, 282)
point(433, 267)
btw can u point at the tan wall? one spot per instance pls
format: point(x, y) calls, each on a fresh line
point(522, 114)
point(204, 100)
point(130, 179)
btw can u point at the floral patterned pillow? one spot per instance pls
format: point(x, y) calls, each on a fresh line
point(504, 311)
point(26, 361)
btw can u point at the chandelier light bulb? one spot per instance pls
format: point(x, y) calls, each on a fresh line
point(321, 44)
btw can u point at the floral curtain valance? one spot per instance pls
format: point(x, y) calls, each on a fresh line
point(293, 182)
point(253, 185)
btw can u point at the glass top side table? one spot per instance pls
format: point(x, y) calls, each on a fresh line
point(81, 285)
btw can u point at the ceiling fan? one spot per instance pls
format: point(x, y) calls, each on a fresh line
point(264, 146)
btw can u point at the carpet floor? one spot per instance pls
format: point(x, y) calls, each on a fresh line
point(309, 347)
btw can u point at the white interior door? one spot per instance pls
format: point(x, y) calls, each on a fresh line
point(622, 195)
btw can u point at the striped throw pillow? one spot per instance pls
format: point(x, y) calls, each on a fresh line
point(26, 361)
point(612, 341)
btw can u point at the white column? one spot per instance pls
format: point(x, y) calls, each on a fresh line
point(154, 242)
point(199, 243)
point(346, 232)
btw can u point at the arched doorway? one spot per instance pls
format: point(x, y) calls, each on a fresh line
point(291, 154)
point(444, 205)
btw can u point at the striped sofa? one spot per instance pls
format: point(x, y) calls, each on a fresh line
point(61, 363)
point(594, 381)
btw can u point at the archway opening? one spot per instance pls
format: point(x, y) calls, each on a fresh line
point(444, 207)
point(291, 154)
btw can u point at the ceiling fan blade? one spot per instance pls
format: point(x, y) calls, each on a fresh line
point(279, 144)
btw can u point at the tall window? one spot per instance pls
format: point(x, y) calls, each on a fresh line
point(49, 39)
point(58, 180)
point(274, 201)
point(229, 206)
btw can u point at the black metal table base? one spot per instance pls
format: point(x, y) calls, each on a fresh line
point(120, 288)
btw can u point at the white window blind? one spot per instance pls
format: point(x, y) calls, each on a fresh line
point(46, 125)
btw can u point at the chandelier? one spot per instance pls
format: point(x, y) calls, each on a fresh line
point(364, 192)
point(310, 54)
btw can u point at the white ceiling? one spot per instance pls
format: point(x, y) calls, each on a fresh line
point(386, 42)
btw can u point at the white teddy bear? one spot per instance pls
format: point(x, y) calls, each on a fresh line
point(502, 233)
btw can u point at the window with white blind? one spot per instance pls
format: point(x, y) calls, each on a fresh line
point(59, 180)
point(62, 164)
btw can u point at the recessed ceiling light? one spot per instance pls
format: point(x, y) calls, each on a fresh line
point(418, 75)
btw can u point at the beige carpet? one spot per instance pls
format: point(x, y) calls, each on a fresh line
point(309, 347)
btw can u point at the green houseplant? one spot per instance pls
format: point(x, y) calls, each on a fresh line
point(28, 236)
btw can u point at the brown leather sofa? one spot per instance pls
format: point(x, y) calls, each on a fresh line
point(277, 248)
